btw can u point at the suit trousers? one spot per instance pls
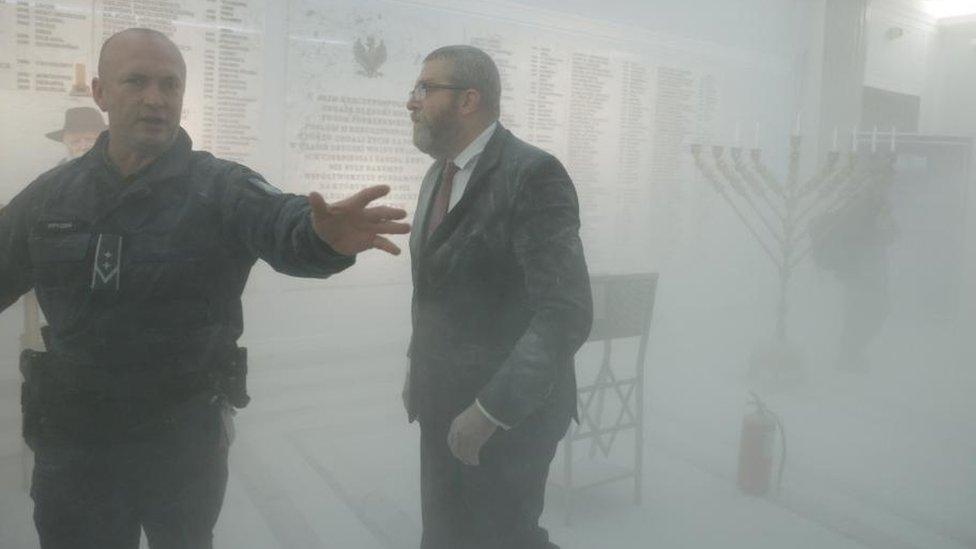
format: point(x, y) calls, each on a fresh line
point(497, 504)
point(99, 495)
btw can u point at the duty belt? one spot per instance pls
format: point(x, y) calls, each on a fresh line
point(93, 403)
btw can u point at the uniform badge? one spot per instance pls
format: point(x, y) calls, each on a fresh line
point(56, 227)
point(106, 270)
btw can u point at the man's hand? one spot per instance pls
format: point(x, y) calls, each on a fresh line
point(469, 432)
point(349, 226)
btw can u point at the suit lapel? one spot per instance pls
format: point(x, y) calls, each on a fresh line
point(422, 211)
point(486, 164)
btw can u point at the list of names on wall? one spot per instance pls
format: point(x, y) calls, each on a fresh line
point(52, 48)
point(635, 125)
point(46, 46)
point(674, 122)
point(8, 43)
point(232, 81)
point(544, 118)
point(221, 42)
point(588, 120)
point(505, 53)
point(616, 121)
point(632, 192)
point(685, 107)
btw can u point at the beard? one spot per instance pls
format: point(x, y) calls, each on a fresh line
point(423, 138)
point(434, 135)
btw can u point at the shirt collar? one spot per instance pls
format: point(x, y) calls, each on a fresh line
point(475, 148)
point(171, 163)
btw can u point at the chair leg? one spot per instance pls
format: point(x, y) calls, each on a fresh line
point(639, 467)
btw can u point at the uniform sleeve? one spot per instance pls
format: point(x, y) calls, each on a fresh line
point(277, 227)
point(16, 276)
point(547, 245)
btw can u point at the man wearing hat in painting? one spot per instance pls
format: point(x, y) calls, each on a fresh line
point(82, 125)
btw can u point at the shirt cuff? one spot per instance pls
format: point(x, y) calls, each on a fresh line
point(490, 417)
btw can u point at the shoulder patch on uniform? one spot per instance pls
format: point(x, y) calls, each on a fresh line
point(263, 186)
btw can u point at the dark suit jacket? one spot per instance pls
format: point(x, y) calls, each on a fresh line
point(501, 299)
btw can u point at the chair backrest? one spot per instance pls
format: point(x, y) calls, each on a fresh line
point(622, 305)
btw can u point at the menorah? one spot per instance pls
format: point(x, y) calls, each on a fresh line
point(778, 214)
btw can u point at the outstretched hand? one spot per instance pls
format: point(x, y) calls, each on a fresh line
point(350, 226)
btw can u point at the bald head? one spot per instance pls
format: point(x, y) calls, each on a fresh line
point(123, 42)
point(140, 83)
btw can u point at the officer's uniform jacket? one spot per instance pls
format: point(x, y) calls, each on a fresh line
point(142, 276)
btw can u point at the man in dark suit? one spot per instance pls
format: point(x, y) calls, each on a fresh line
point(501, 304)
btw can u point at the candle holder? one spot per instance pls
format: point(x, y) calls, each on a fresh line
point(778, 213)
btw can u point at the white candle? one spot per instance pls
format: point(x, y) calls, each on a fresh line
point(796, 124)
point(756, 143)
point(854, 139)
point(874, 139)
point(892, 139)
point(834, 147)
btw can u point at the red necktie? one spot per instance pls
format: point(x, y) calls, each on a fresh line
point(443, 199)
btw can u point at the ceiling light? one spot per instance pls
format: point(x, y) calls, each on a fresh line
point(941, 9)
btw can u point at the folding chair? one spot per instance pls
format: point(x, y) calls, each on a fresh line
point(622, 307)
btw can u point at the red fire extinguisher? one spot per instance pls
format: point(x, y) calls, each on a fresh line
point(759, 429)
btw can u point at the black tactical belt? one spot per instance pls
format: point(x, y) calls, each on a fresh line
point(88, 404)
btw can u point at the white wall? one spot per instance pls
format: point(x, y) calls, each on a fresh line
point(948, 106)
point(951, 109)
point(935, 60)
point(900, 35)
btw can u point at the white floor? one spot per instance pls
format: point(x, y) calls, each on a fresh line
point(325, 458)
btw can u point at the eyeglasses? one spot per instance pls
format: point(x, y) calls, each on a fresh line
point(420, 91)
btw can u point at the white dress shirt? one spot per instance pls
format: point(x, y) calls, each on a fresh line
point(466, 161)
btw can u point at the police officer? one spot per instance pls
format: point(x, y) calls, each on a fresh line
point(139, 252)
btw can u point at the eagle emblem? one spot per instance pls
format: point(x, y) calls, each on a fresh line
point(370, 56)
